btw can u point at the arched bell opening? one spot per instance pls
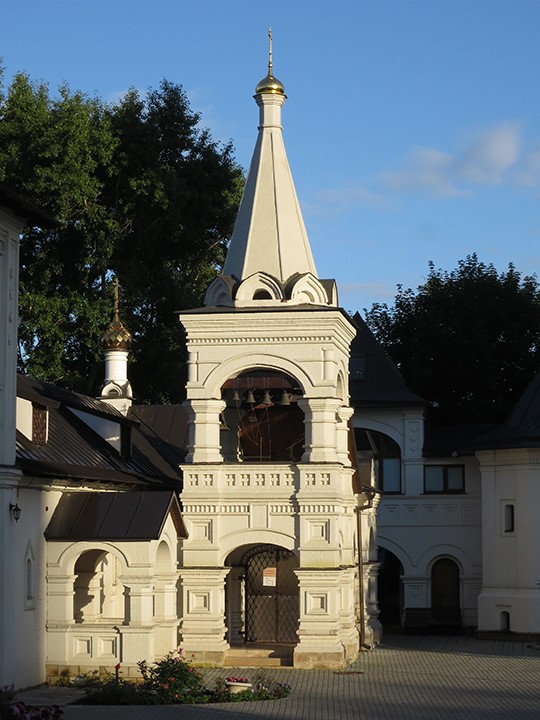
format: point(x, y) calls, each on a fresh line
point(262, 421)
point(262, 595)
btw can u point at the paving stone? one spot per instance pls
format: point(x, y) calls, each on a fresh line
point(405, 678)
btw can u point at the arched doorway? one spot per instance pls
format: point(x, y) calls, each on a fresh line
point(389, 588)
point(445, 594)
point(272, 605)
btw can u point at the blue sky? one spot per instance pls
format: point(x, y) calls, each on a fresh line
point(412, 126)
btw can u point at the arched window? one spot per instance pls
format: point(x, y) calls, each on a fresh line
point(29, 579)
point(262, 295)
point(379, 459)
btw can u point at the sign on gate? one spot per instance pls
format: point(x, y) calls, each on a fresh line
point(269, 576)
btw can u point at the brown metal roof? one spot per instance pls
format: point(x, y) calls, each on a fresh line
point(74, 451)
point(168, 423)
point(54, 396)
point(114, 516)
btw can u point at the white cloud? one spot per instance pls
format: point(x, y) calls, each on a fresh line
point(528, 171)
point(344, 198)
point(486, 159)
point(427, 169)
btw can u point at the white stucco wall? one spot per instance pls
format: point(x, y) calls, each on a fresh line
point(23, 646)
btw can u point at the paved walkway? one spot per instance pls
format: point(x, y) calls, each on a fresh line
point(405, 678)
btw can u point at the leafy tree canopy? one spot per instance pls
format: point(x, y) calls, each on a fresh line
point(467, 340)
point(140, 191)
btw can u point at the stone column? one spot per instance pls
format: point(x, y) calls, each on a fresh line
point(416, 610)
point(203, 625)
point(236, 605)
point(373, 629)
point(204, 445)
point(141, 601)
point(165, 616)
point(137, 633)
point(344, 414)
point(320, 426)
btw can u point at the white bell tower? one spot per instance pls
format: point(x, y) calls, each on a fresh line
point(268, 472)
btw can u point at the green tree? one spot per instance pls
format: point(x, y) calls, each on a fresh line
point(141, 191)
point(467, 340)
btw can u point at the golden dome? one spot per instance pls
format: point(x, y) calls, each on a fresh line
point(270, 84)
point(116, 337)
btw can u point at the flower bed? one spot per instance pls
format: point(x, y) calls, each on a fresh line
point(173, 680)
point(10, 710)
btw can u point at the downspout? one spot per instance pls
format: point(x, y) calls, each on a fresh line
point(366, 493)
point(369, 493)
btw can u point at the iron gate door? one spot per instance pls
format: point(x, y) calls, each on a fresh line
point(272, 598)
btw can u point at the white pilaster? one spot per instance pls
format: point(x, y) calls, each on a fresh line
point(204, 445)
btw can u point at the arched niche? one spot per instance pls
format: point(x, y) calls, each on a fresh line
point(97, 590)
point(220, 292)
point(259, 288)
point(308, 289)
point(164, 564)
point(264, 363)
point(64, 557)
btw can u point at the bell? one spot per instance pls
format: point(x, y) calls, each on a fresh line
point(250, 398)
point(236, 396)
point(285, 398)
point(267, 400)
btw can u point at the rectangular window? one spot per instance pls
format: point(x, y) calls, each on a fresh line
point(40, 422)
point(390, 480)
point(509, 518)
point(444, 478)
point(357, 368)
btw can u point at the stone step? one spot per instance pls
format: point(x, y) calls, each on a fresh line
point(255, 661)
point(259, 656)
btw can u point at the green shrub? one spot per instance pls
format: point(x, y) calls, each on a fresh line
point(172, 680)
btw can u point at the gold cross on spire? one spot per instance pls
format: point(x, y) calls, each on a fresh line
point(270, 51)
point(116, 299)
